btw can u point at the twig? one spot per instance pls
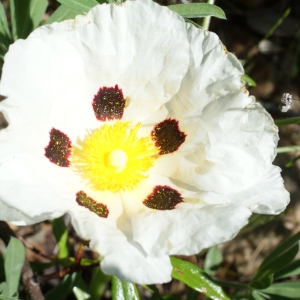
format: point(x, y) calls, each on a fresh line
point(33, 249)
point(75, 267)
point(32, 288)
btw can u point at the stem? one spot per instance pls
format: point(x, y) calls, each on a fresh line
point(206, 20)
point(232, 284)
point(287, 121)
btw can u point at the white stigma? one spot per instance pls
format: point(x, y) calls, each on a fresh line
point(117, 160)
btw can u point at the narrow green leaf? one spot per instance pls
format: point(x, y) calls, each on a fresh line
point(198, 10)
point(292, 269)
point(5, 38)
point(287, 149)
point(14, 257)
point(98, 284)
point(3, 288)
point(61, 234)
point(275, 261)
point(26, 15)
point(8, 298)
point(287, 121)
point(249, 80)
point(212, 261)
point(123, 290)
point(290, 290)
point(80, 294)
point(196, 278)
point(254, 295)
point(262, 279)
point(278, 253)
point(64, 288)
point(192, 22)
point(83, 6)
point(63, 13)
point(81, 290)
point(292, 162)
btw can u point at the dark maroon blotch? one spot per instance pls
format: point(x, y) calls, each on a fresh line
point(98, 208)
point(163, 198)
point(59, 148)
point(167, 136)
point(109, 103)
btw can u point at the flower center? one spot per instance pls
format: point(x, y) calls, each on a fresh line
point(117, 160)
point(114, 158)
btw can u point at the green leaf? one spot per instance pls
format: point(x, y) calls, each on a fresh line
point(83, 6)
point(123, 290)
point(262, 279)
point(277, 254)
point(64, 288)
point(289, 290)
point(5, 38)
point(196, 278)
point(198, 10)
point(8, 298)
point(275, 261)
point(81, 290)
point(254, 295)
point(3, 288)
point(26, 15)
point(97, 286)
point(292, 269)
point(287, 121)
point(292, 162)
point(14, 257)
point(249, 80)
point(287, 149)
point(212, 261)
point(63, 13)
point(192, 22)
point(61, 234)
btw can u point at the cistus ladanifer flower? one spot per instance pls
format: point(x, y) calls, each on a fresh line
point(138, 126)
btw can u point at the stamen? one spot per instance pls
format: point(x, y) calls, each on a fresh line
point(109, 103)
point(167, 136)
point(98, 208)
point(114, 157)
point(59, 148)
point(163, 198)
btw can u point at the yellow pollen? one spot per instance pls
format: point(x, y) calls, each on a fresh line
point(114, 158)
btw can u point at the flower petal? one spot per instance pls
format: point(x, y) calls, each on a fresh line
point(121, 253)
point(147, 62)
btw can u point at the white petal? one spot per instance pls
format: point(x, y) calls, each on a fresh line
point(131, 265)
point(148, 62)
point(267, 196)
point(188, 228)
point(45, 85)
point(231, 128)
point(121, 254)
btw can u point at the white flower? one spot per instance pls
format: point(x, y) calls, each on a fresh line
point(138, 126)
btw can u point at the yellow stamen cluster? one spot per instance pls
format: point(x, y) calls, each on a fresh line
point(114, 158)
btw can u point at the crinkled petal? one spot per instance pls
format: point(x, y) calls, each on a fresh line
point(190, 227)
point(266, 196)
point(121, 254)
point(231, 128)
point(44, 81)
point(147, 62)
